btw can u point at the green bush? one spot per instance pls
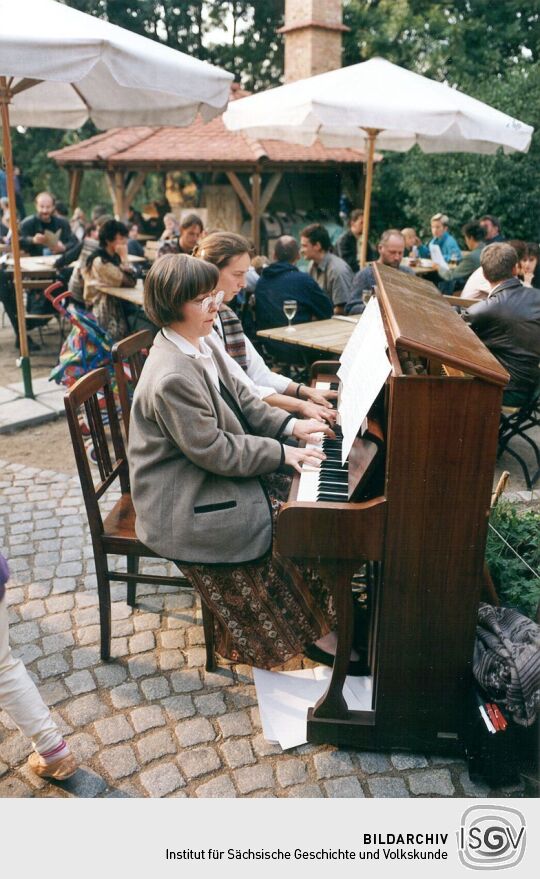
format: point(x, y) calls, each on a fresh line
point(516, 585)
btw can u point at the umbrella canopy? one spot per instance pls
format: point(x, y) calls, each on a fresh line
point(90, 69)
point(60, 67)
point(384, 103)
point(405, 108)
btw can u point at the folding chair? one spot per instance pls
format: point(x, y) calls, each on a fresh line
point(519, 422)
point(114, 534)
point(129, 356)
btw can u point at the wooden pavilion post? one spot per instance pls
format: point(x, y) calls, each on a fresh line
point(256, 216)
point(75, 180)
point(372, 136)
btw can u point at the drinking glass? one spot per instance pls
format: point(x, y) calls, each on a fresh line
point(290, 307)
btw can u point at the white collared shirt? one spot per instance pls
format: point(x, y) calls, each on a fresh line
point(204, 353)
point(261, 380)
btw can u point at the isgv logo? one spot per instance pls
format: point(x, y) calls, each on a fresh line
point(491, 837)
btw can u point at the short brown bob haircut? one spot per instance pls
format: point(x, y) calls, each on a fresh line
point(172, 280)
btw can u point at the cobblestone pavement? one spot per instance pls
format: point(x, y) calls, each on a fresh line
point(152, 722)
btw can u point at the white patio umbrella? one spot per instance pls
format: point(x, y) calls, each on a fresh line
point(60, 67)
point(383, 103)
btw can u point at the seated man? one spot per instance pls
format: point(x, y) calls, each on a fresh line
point(474, 235)
point(349, 243)
point(391, 247)
point(492, 228)
point(191, 229)
point(441, 236)
point(280, 281)
point(328, 270)
point(45, 231)
point(508, 322)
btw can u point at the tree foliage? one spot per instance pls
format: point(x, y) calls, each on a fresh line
point(489, 50)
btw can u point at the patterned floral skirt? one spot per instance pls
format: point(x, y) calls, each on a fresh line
point(266, 611)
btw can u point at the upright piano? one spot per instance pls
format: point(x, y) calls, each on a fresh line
point(416, 504)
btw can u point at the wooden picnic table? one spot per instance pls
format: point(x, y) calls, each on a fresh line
point(321, 335)
point(32, 266)
point(128, 294)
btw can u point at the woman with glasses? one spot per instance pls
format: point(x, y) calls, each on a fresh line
point(229, 252)
point(201, 447)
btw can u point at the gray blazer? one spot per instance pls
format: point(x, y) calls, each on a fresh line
point(193, 467)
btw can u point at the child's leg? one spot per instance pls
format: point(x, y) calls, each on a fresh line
point(20, 697)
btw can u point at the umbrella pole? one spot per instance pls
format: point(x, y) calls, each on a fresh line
point(24, 360)
point(372, 136)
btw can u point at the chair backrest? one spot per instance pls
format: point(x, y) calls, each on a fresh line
point(130, 355)
point(92, 397)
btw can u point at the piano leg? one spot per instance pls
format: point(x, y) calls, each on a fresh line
point(339, 575)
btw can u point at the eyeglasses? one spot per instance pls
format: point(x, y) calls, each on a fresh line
point(215, 299)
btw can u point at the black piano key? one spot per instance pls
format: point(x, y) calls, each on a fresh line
point(336, 498)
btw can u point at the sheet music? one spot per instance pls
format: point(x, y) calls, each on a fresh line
point(363, 371)
point(437, 257)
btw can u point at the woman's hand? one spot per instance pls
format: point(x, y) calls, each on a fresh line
point(321, 398)
point(307, 409)
point(311, 430)
point(295, 457)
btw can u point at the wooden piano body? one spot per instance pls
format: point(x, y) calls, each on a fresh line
point(427, 528)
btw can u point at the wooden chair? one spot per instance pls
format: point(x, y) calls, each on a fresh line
point(114, 534)
point(131, 353)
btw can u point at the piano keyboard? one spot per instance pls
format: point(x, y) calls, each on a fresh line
point(330, 481)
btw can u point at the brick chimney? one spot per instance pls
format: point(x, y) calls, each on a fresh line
point(313, 31)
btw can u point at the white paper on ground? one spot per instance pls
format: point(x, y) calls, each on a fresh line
point(285, 697)
point(437, 257)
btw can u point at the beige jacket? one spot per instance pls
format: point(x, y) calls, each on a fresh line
point(193, 468)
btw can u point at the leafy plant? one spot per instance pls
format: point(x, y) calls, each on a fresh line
point(517, 586)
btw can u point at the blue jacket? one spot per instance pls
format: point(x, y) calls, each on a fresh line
point(449, 246)
point(278, 282)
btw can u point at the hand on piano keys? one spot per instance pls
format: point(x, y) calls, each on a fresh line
point(308, 409)
point(309, 430)
point(330, 480)
point(310, 456)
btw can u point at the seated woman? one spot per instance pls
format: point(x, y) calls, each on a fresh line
point(529, 268)
point(171, 227)
point(229, 252)
point(108, 266)
point(201, 445)
point(413, 244)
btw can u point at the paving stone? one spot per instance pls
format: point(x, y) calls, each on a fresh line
point(263, 748)
point(83, 746)
point(371, 762)
point(155, 688)
point(195, 657)
point(141, 642)
point(147, 717)
point(85, 784)
point(84, 657)
point(110, 675)
point(388, 787)
point(473, 788)
point(171, 640)
point(27, 653)
point(126, 695)
point(348, 787)
point(236, 724)
point(23, 633)
point(305, 791)
point(220, 678)
point(112, 730)
point(252, 778)
point(244, 674)
point(119, 761)
point(210, 704)
point(54, 623)
point(162, 780)
point(144, 664)
point(170, 659)
point(255, 716)
point(179, 601)
point(57, 643)
point(144, 621)
point(122, 628)
point(219, 788)
point(15, 749)
point(87, 616)
point(53, 692)
point(86, 599)
point(408, 761)
point(178, 707)
point(85, 709)
point(199, 762)
point(186, 681)
point(58, 603)
point(40, 590)
point(119, 647)
point(32, 610)
point(14, 787)
point(64, 584)
point(195, 636)
point(194, 732)
point(3, 768)
point(88, 635)
point(241, 697)
point(332, 763)
point(156, 745)
point(434, 781)
point(52, 665)
point(291, 772)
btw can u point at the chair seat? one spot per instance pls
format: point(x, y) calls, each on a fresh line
point(119, 530)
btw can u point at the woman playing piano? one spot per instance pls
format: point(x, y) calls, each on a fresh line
point(229, 252)
point(201, 445)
